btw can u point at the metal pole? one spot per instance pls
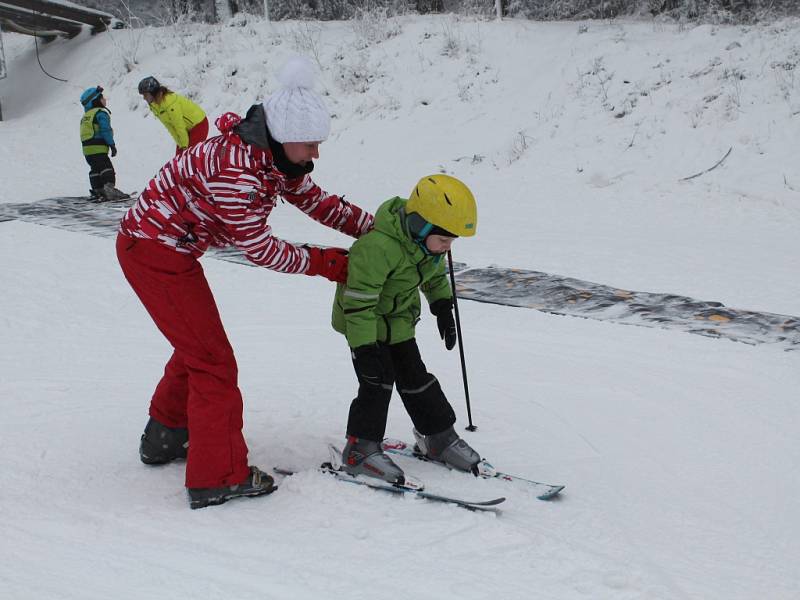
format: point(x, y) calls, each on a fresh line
point(469, 427)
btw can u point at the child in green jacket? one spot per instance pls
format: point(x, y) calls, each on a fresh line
point(377, 310)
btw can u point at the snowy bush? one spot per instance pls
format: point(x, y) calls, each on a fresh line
point(785, 71)
point(326, 10)
point(372, 25)
point(305, 38)
point(464, 91)
point(127, 41)
point(452, 39)
point(355, 77)
point(696, 115)
point(711, 11)
point(473, 8)
point(734, 77)
point(601, 77)
point(568, 9)
point(519, 146)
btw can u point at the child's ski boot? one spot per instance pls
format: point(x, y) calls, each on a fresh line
point(448, 448)
point(365, 457)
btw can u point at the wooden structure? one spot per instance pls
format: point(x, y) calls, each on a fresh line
point(48, 19)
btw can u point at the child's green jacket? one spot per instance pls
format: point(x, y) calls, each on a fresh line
point(386, 268)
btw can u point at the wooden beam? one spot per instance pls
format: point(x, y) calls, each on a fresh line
point(98, 20)
point(36, 22)
point(48, 35)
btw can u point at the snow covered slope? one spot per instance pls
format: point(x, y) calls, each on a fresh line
point(679, 452)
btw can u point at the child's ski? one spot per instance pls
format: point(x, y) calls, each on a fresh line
point(544, 491)
point(123, 197)
point(377, 484)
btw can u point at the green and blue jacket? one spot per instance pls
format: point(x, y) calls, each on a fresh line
point(96, 132)
point(386, 271)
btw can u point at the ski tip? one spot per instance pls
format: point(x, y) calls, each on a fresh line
point(493, 502)
point(551, 493)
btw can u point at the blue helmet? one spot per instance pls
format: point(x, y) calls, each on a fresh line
point(90, 95)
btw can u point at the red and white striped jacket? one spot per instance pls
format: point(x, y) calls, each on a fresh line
point(221, 193)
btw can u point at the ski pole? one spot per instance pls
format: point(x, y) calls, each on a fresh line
point(469, 427)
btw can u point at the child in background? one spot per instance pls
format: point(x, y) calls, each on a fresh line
point(186, 121)
point(97, 138)
point(377, 310)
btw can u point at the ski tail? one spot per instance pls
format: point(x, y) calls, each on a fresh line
point(484, 469)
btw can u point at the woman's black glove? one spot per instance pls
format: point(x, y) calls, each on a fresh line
point(443, 309)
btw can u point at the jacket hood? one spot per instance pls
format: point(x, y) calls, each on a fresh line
point(391, 220)
point(253, 130)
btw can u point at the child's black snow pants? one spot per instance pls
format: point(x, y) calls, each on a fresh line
point(419, 390)
point(101, 171)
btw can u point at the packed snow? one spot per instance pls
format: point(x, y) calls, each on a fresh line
point(679, 453)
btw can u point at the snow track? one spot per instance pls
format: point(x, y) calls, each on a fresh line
point(499, 285)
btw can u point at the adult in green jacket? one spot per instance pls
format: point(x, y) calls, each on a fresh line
point(377, 311)
point(186, 121)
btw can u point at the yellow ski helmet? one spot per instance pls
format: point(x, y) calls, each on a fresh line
point(446, 203)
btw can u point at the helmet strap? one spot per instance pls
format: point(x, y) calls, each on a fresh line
point(418, 230)
point(423, 233)
point(419, 236)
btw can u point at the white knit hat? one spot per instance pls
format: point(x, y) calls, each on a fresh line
point(295, 113)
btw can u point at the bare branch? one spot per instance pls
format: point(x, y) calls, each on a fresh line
point(718, 163)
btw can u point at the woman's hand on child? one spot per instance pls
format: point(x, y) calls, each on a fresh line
point(331, 263)
point(443, 309)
